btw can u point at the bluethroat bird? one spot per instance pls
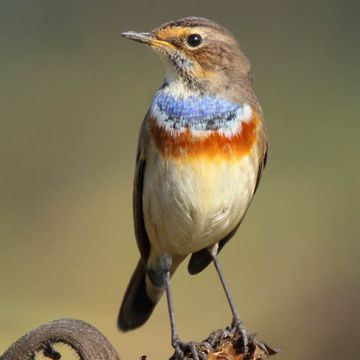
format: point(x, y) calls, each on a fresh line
point(201, 152)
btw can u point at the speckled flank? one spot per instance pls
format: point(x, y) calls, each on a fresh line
point(212, 145)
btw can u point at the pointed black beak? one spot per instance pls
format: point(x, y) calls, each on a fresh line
point(141, 37)
point(148, 39)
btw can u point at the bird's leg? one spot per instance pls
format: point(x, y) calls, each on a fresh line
point(179, 346)
point(174, 337)
point(236, 319)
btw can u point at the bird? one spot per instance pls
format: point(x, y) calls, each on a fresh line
point(202, 150)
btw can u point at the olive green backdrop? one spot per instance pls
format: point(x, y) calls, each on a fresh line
point(72, 96)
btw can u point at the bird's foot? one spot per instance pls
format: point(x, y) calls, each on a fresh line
point(190, 350)
point(238, 330)
point(223, 341)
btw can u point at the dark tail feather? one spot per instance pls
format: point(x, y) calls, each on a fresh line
point(136, 306)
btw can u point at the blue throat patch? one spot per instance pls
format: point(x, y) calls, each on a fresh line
point(198, 112)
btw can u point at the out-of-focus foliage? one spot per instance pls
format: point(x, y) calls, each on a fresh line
point(72, 96)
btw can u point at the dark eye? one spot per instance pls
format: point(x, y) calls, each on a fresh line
point(194, 40)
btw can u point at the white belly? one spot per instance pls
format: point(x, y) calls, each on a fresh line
point(191, 205)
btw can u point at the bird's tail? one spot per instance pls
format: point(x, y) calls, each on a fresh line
point(139, 300)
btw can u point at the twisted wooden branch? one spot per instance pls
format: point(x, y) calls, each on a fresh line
point(90, 344)
point(85, 339)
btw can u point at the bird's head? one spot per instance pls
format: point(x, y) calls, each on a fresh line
point(199, 54)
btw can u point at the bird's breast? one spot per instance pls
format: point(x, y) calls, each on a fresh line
point(190, 205)
point(203, 127)
point(198, 182)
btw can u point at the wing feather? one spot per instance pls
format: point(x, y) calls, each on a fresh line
point(142, 238)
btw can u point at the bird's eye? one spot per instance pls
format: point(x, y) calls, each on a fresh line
point(194, 40)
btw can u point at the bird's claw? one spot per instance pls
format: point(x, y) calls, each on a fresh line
point(239, 328)
point(197, 351)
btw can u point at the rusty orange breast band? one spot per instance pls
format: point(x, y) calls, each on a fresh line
point(211, 145)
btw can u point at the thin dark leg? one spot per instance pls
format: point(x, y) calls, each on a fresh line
point(174, 337)
point(175, 341)
point(236, 319)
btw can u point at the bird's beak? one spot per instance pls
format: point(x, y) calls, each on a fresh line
point(146, 38)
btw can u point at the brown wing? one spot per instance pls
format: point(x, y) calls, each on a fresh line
point(262, 165)
point(140, 231)
point(201, 259)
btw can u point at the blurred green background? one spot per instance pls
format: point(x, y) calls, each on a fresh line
point(72, 96)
